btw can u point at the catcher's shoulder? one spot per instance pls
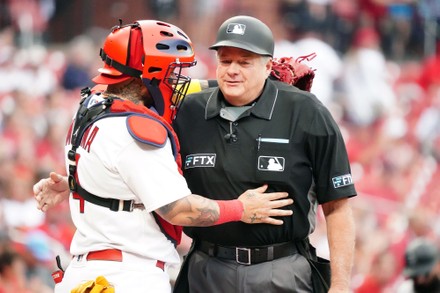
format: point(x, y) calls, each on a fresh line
point(147, 129)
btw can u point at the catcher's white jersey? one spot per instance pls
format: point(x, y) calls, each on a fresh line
point(112, 164)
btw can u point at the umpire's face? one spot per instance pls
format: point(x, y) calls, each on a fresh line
point(241, 74)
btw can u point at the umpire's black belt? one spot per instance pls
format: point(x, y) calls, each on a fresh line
point(248, 255)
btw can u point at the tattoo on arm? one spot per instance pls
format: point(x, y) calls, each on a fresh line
point(206, 217)
point(192, 210)
point(166, 209)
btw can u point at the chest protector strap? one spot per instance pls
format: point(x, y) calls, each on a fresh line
point(110, 107)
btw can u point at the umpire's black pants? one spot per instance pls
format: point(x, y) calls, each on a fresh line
point(215, 275)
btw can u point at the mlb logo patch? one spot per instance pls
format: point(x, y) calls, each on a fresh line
point(341, 181)
point(270, 163)
point(236, 28)
point(200, 160)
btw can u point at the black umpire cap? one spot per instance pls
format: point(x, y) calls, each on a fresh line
point(245, 32)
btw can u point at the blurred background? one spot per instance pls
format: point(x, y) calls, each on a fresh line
point(377, 70)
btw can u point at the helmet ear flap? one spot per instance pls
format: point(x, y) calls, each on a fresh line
point(156, 94)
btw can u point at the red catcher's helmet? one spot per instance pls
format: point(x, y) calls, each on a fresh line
point(155, 51)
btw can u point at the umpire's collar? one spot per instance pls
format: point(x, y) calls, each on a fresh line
point(263, 108)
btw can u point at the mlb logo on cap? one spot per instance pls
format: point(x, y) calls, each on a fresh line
point(236, 28)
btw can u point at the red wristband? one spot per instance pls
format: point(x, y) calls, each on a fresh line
point(230, 211)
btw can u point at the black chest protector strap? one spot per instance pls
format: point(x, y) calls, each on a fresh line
point(85, 117)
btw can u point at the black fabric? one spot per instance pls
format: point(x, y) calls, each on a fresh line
point(431, 286)
point(111, 203)
point(321, 271)
point(321, 274)
point(248, 256)
point(118, 66)
point(182, 284)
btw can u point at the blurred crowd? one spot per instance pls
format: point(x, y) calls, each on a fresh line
point(377, 69)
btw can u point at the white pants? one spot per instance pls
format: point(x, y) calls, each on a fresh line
point(132, 275)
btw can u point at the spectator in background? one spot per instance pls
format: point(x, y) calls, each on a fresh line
point(17, 201)
point(30, 19)
point(429, 13)
point(22, 222)
point(12, 273)
point(428, 126)
point(306, 37)
point(380, 275)
point(404, 37)
point(430, 75)
point(344, 17)
point(79, 59)
point(368, 95)
point(422, 267)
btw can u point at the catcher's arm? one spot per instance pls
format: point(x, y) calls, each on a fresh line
point(252, 207)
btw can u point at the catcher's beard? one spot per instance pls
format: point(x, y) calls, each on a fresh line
point(133, 90)
point(147, 100)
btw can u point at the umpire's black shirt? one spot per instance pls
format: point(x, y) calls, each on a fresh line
point(287, 139)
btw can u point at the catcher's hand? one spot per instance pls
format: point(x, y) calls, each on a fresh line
point(292, 71)
point(100, 285)
point(51, 191)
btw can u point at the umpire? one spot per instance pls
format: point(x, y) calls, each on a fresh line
point(252, 130)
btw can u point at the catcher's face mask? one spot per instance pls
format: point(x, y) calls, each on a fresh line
point(168, 52)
